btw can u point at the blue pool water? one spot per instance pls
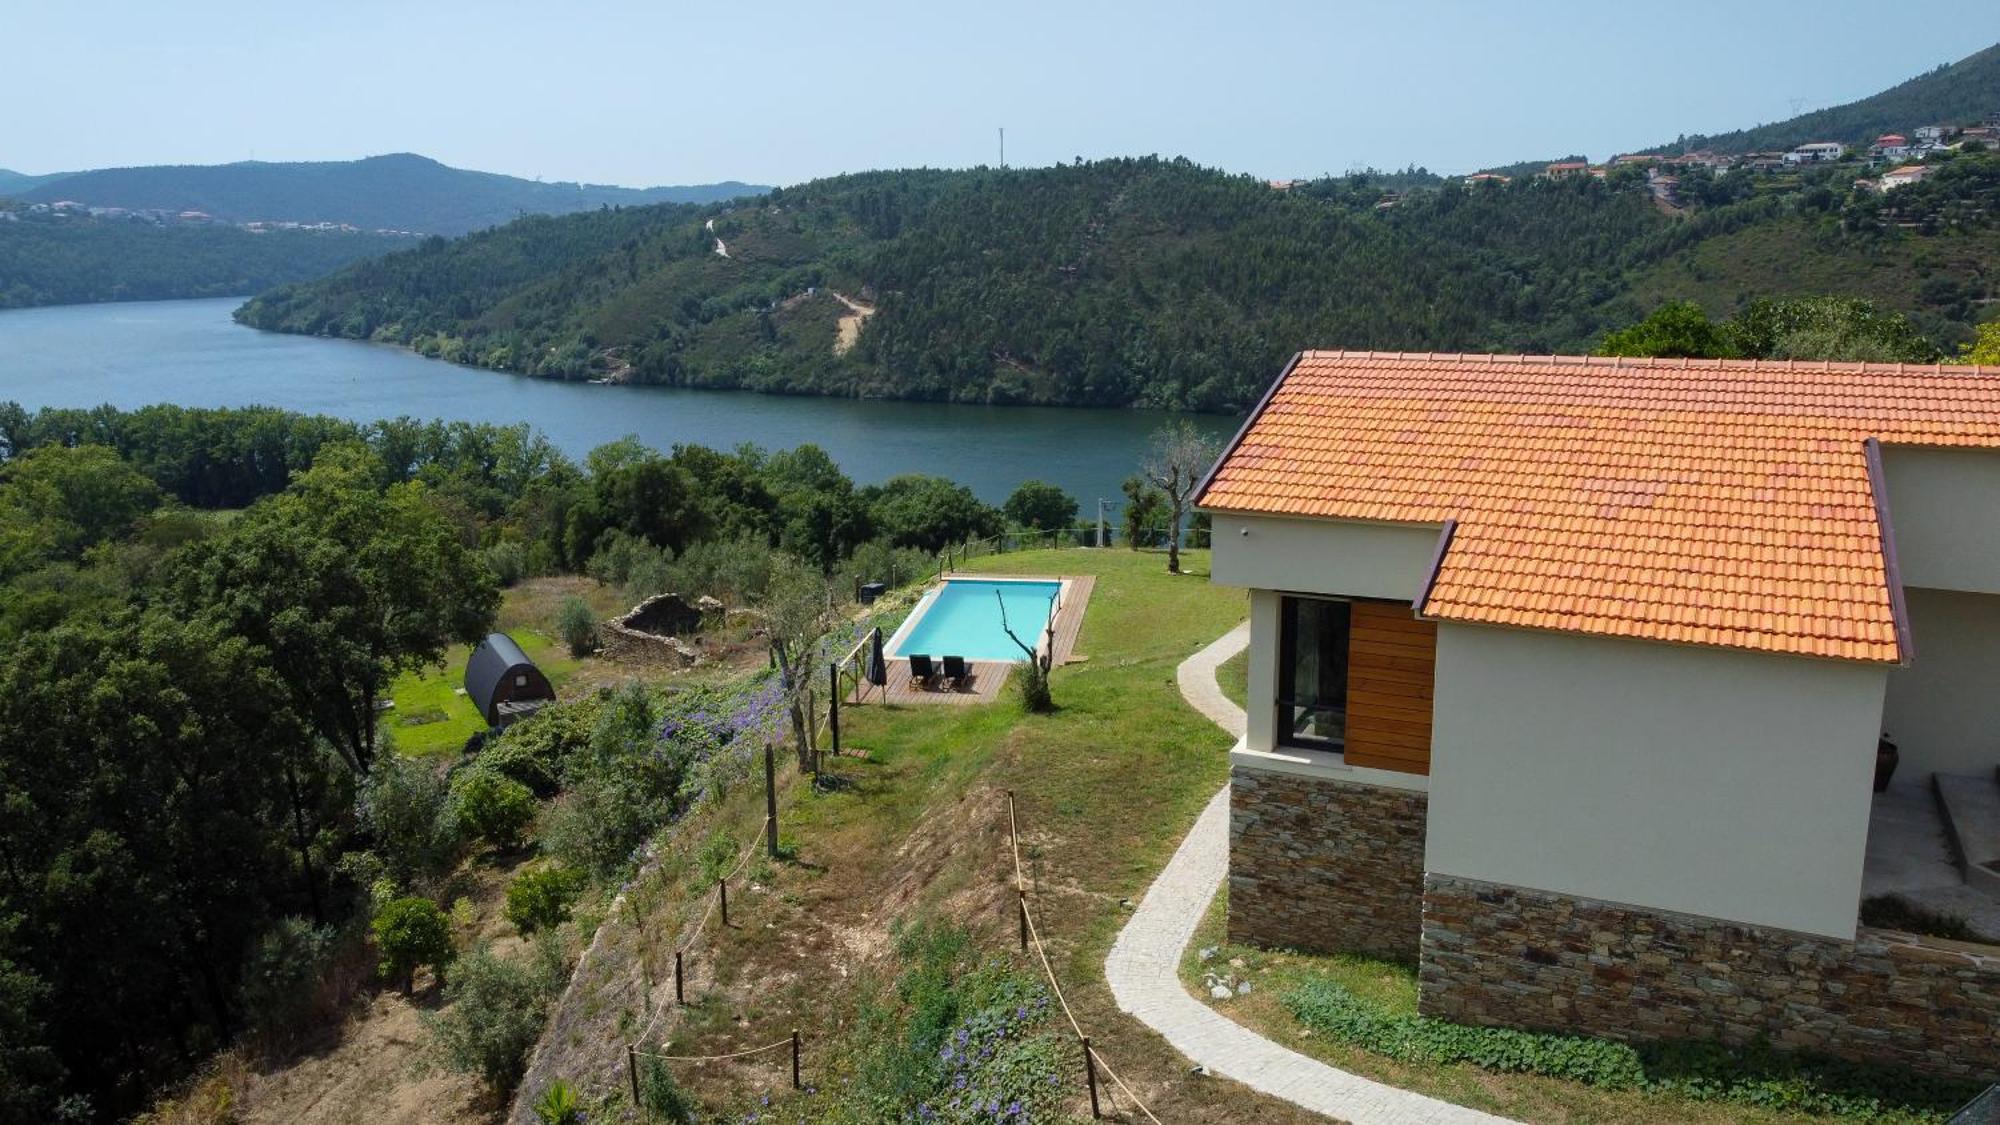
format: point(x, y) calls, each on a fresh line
point(963, 619)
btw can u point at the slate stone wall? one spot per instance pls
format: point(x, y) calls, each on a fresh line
point(1325, 866)
point(1508, 957)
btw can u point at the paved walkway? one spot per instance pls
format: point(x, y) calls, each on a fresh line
point(1144, 966)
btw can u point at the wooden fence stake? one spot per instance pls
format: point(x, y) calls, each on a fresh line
point(680, 996)
point(1023, 901)
point(770, 803)
point(632, 1072)
point(722, 884)
point(1090, 1078)
point(833, 705)
point(795, 1058)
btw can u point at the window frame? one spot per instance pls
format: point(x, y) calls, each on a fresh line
point(1283, 705)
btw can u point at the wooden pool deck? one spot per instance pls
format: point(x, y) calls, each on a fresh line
point(986, 677)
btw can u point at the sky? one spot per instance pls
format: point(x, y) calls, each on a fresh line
point(779, 91)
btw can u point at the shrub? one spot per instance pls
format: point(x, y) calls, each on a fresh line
point(620, 555)
point(736, 572)
point(540, 897)
point(1890, 912)
point(406, 808)
point(282, 975)
point(1756, 1075)
point(495, 1012)
point(411, 932)
point(577, 626)
point(662, 1097)
point(491, 806)
point(559, 1105)
point(508, 561)
point(537, 750)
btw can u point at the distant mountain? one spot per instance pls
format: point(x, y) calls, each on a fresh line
point(401, 191)
point(1957, 94)
point(14, 183)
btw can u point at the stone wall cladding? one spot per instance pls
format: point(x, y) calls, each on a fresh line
point(1507, 957)
point(1325, 866)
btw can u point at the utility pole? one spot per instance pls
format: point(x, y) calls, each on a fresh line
point(1100, 521)
point(1003, 146)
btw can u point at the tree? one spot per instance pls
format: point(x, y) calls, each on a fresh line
point(798, 613)
point(1835, 328)
point(62, 500)
point(1144, 509)
point(928, 513)
point(1180, 456)
point(344, 585)
point(1985, 349)
point(1677, 328)
point(407, 809)
point(411, 932)
point(1040, 505)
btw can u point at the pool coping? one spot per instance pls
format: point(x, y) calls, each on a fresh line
point(1065, 588)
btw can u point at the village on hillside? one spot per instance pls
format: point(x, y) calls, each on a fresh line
point(1900, 157)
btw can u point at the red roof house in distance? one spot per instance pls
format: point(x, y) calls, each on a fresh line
point(1550, 647)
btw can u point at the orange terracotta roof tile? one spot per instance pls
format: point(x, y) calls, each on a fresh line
point(1714, 502)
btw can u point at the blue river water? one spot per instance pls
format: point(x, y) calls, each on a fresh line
point(191, 353)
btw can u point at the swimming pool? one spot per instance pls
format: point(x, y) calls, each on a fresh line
point(962, 618)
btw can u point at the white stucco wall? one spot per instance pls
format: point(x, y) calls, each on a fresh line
point(1342, 557)
point(1944, 505)
point(1726, 784)
point(1943, 711)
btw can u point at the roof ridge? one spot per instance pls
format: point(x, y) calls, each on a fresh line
point(1664, 362)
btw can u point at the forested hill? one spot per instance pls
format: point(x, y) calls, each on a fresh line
point(1142, 281)
point(1963, 91)
point(79, 259)
point(401, 191)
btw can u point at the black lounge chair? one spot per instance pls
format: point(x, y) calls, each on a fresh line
point(922, 671)
point(955, 671)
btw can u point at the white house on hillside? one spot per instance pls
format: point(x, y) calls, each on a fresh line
point(1567, 676)
point(1818, 152)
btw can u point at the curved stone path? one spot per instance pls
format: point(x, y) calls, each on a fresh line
point(1144, 966)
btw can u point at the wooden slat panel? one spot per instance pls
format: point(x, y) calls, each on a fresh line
point(1392, 670)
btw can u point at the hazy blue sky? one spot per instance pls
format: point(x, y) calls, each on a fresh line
point(778, 91)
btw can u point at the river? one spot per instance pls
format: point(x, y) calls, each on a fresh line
point(191, 353)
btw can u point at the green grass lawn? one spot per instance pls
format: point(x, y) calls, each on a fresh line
point(1233, 677)
point(432, 717)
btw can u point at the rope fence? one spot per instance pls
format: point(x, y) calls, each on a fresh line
point(1031, 936)
point(687, 944)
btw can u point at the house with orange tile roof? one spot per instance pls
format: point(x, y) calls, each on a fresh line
point(1569, 678)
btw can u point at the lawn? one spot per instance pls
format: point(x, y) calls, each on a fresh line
point(432, 717)
point(1104, 789)
point(1233, 677)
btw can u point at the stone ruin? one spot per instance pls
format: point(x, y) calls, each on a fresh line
point(652, 630)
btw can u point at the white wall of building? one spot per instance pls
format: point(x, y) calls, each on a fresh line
point(1727, 784)
point(1341, 557)
point(1944, 505)
point(1943, 711)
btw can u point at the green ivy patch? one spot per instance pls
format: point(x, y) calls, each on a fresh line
point(1757, 1075)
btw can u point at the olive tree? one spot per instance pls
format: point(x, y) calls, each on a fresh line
point(1179, 457)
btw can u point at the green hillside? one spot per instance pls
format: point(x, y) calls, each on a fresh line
point(401, 191)
point(1133, 282)
point(81, 260)
point(1962, 92)
point(15, 183)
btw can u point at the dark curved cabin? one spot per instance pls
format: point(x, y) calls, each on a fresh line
point(503, 683)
